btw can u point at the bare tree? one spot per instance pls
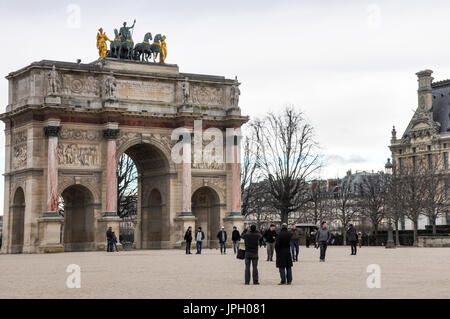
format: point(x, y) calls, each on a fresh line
point(127, 186)
point(395, 204)
point(288, 158)
point(342, 202)
point(250, 175)
point(372, 198)
point(317, 207)
point(435, 192)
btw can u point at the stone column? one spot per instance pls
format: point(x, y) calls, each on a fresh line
point(110, 134)
point(52, 132)
point(235, 217)
point(50, 224)
point(186, 179)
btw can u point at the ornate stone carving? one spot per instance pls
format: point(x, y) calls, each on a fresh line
point(80, 135)
point(20, 156)
point(206, 165)
point(111, 134)
point(186, 92)
point(72, 154)
point(110, 86)
point(207, 95)
point(80, 85)
point(19, 137)
point(124, 137)
point(52, 130)
point(53, 82)
point(235, 92)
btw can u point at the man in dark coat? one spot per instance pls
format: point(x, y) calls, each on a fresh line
point(235, 237)
point(222, 236)
point(295, 242)
point(352, 237)
point(188, 239)
point(109, 240)
point(270, 235)
point(251, 240)
point(284, 258)
point(323, 236)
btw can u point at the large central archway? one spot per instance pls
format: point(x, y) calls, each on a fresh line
point(152, 229)
point(79, 219)
point(206, 208)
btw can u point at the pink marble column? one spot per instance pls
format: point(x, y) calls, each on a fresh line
point(111, 166)
point(186, 179)
point(52, 132)
point(236, 180)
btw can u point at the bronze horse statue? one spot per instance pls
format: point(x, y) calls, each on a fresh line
point(142, 51)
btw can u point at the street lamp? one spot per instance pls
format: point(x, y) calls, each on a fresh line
point(390, 240)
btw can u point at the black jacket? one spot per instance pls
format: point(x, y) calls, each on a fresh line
point(188, 235)
point(351, 234)
point(282, 248)
point(219, 236)
point(270, 235)
point(109, 235)
point(203, 235)
point(251, 240)
point(235, 236)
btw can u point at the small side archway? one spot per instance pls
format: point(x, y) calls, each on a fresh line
point(79, 219)
point(206, 207)
point(18, 221)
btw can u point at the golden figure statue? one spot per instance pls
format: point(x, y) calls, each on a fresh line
point(162, 58)
point(101, 43)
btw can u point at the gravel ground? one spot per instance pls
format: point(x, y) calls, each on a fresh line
point(405, 273)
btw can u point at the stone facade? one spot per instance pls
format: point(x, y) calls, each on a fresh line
point(426, 140)
point(68, 123)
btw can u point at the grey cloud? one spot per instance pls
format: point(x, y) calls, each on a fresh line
point(341, 160)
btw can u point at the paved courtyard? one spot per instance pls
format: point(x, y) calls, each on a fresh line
point(405, 273)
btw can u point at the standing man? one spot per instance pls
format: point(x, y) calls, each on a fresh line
point(284, 258)
point(188, 239)
point(199, 237)
point(295, 242)
point(109, 239)
point(270, 235)
point(222, 236)
point(251, 240)
point(323, 236)
point(235, 237)
point(352, 238)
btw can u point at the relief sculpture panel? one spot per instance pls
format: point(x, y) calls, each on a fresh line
point(78, 155)
point(147, 91)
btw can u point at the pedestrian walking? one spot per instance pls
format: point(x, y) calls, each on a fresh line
point(323, 236)
point(270, 235)
point(188, 239)
point(199, 237)
point(109, 239)
point(251, 240)
point(114, 242)
point(235, 237)
point(352, 238)
point(284, 259)
point(359, 239)
point(222, 236)
point(295, 242)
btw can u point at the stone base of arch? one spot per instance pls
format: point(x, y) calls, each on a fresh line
point(104, 223)
point(50, 234)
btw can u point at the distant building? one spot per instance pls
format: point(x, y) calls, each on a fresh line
point(427, 137)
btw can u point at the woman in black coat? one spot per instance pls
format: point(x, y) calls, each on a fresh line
point(284, 258)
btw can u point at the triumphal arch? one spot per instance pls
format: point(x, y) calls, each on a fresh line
point(67, 124)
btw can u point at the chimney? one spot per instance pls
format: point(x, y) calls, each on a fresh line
point(425, 92)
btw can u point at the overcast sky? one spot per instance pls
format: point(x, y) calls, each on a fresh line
point(349, 65)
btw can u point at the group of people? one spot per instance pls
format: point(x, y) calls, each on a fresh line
point(221, 236)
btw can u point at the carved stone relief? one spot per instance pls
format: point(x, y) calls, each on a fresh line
point(71, 154)
point(80, 135)
point(20, 156)
point(206, 95)
point(80, 85)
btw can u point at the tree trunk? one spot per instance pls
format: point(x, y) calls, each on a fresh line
point(415, 224)
point(284, 217)
point(344, 235)
point(375, 232)
point(397, 235)
point(433, 223)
